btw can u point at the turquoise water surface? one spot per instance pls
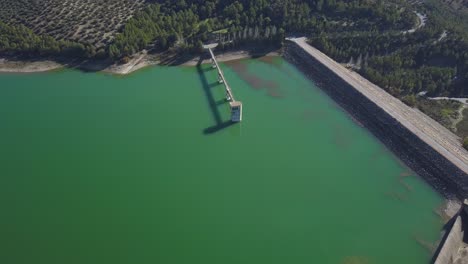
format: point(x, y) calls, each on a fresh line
point(146, 169)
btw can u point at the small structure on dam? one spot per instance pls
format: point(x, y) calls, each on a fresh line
point(236, 106)
point(453, 248)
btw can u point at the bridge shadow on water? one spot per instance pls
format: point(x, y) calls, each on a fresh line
point(212, 102)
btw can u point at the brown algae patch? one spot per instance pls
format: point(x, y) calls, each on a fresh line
point(356, 260)
point(397, 196)
point(313, 114)
point(340, 138)
point(257, 82)
point(401, 179)
point(272, 60)
point(430, 247)
point(379, 153)
point(447, 210)
point(406, 185)
point(405, 174)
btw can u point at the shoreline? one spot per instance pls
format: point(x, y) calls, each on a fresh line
point(137, 62)
point(231, 56)
point(446, 179)
point(18, 66)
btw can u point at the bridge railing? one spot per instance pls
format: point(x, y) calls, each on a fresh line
point(236, 106)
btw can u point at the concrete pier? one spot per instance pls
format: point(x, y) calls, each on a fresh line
point(236, 106)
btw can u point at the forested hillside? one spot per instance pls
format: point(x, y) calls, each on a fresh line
point(457, 4)
point(185, 24)
point(20, 39)
point(189, 22)
point(432, 59)
point(429, 61)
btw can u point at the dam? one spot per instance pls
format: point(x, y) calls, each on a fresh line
point(423, 144)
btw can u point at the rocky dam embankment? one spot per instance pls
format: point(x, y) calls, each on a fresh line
point(421, 143)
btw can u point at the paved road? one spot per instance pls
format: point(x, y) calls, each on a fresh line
point(461, 100)
point(421, 23)
point(431, 132)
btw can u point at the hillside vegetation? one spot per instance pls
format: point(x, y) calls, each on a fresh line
point(188, 22)
point(20, 39)
point(92, 23)
point(161, 24)
point(461, 5)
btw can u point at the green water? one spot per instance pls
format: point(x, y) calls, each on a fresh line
point(143, 169)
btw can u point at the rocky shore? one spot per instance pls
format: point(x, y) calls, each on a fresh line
point(450, 179)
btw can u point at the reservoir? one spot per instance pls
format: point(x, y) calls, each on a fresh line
point(145, 168)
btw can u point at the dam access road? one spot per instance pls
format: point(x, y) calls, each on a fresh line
point(429, 131)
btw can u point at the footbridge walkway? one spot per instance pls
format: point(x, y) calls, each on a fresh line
point(236, 106)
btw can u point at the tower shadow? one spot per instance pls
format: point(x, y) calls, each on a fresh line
point(212, 102)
